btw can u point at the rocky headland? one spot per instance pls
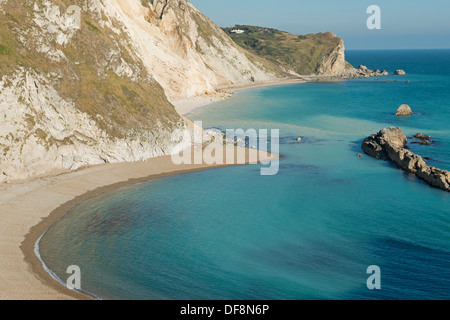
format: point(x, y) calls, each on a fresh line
point(390, 144)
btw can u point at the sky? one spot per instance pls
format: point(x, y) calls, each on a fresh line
point(405, 24)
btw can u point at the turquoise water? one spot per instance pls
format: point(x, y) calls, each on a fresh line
point(309, 232)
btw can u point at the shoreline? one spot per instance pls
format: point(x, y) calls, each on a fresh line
point(31, 207)
point(50, 196)
point(187, 106)
point(22, 273)
point(26, 277)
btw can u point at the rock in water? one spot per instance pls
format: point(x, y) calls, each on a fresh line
point(422, 136)
point(374, 145)
point(399, 73)
point(364, 72)
point(424, 139)
point(404, 110)
point(389, 144)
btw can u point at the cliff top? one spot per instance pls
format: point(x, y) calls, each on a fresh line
point(302, 54)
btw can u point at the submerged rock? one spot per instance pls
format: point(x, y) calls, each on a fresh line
point(424, 139)
point(404, 110)
point(389, 144)
point(422, 136)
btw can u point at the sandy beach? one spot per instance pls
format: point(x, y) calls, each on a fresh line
point(30, 207)
point(187, 106)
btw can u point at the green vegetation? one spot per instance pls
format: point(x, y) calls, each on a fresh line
point(41, 134)
point(4, 50)
point(205, 31)
point(301, 53)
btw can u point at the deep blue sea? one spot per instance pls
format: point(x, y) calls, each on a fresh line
point(309, 232)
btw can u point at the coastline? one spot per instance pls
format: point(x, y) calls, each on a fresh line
point(22, 273)
point(186, 106)
point(29, 208)
point(51, 195)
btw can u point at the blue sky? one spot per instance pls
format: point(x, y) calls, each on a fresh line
point(405, 24)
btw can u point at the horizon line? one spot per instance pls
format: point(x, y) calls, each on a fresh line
point(394, 49)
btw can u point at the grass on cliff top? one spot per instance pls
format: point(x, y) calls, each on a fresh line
point(301, 53)
point(206, 30)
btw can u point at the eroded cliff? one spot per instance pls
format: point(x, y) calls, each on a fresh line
point(91, 81)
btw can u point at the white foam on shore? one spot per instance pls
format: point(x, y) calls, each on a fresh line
point(52, 274)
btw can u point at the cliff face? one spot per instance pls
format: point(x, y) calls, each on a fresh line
point(89, 83)
point(41, 131)
point(186, 52)
point(334, 63)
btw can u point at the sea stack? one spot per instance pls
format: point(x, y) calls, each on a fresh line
point(404, 110)
point(399, 73)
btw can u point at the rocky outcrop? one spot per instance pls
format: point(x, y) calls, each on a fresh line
point(404, 110)
point(158, 7)
point(422, 136)
point(364, 72)
point(389, 144)
point(422, 139)
point(399, 73)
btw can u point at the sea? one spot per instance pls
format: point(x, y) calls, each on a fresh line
point(312, 231)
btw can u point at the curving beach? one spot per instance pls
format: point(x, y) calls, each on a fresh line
point(98, 97)
point(30, 207)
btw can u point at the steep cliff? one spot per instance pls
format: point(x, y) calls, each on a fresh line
point(89, 81)
point(186, 52)
point(334, 63)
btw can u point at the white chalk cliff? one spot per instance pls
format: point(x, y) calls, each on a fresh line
point(186, 52)
point(88, 82)
point(91, 81)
